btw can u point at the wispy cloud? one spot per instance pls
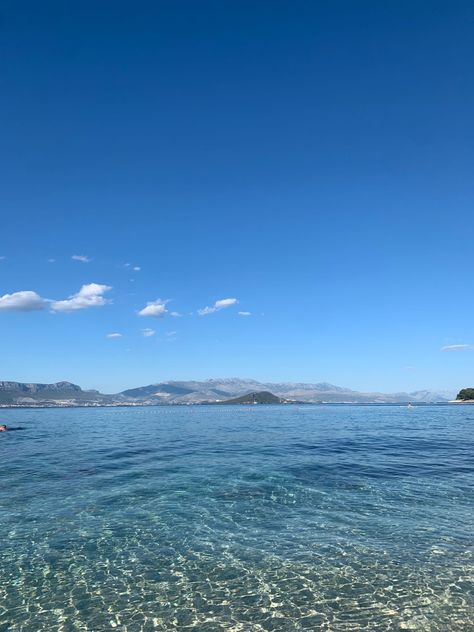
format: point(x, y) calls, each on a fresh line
point(137, 268)
point(147, 332)
point(114, 335)
point(171, 334)
point(51, 260)
point(2, 258)
point(25, 301)
point(244, 313)
point(156, 309)
point(175, 314)
point(460, 347)
point(218, 305)
point(81, 258)
point(90, 295)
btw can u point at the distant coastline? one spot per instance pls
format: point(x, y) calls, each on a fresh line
point(65, 405)
point(227, 391)
point(214, 404)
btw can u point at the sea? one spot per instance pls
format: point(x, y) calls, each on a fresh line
point(237, 518)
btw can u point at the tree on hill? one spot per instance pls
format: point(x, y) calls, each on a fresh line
point(465, 394)
point(262, 397)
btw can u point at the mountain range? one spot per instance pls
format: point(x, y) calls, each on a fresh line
point(200, 392)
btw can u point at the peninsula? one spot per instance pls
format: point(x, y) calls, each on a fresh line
point(465, 396)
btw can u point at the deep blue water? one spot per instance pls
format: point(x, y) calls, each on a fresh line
point(258, 518)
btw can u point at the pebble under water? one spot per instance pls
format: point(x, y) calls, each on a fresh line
point(257, 518)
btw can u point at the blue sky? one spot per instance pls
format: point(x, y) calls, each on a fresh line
point(312, 160)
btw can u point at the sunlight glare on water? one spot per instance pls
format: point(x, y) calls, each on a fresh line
point(259, 518)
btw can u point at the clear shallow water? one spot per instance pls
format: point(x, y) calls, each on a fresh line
point(237, 518)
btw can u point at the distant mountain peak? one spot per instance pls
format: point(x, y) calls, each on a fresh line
point(194, 392)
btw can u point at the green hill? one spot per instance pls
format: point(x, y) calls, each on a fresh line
point(261, 397)
point(465, 394)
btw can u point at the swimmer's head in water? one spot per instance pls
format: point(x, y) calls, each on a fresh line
point(3, 427)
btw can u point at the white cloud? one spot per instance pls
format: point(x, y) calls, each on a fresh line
point(170, 334)
point(157, 309)
point(218, 305)
point(461, 347)
point(25, 301)
point(147, 332)
point(137, 268)
point(244, 313)
point(90, 295)
point(81, 258)
point(114, 335)
point(175, 314)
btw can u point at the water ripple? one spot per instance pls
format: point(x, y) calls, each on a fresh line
point(249, 519)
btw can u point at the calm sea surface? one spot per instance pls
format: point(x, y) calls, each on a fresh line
point(255, 518)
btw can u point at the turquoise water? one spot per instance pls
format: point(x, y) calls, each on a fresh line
point(237, 518)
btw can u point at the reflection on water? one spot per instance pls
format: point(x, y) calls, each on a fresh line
point(245, 518)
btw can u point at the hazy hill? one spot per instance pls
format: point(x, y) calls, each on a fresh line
point(218, 390)
point(195, 392)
